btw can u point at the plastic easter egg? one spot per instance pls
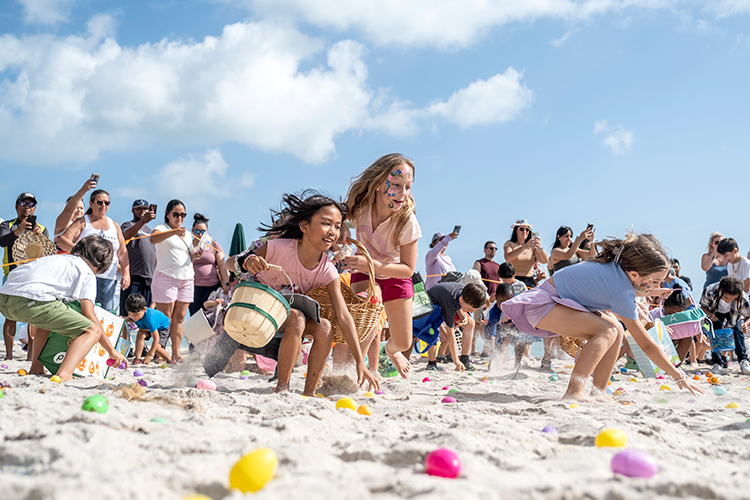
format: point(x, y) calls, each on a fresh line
point(611, 438)
point(574, 406)
point(426, 379)
point(661, 400)
point(719, 391)
point(137, 373)
point(612, 379)
point(633, 379)
point(692, 400)
point(206, 385)
point(660, 377)
point(369, 394)
point(554, 378)
point(714, 380)
point(364, 410)
point(96, 403)
point(123, 365)
point(346, 403)
point(452, 391)
point(449, 399)
point(4, 367)
point(163, 366)
point(381, 391)
point(696, 377)
point(665, 387)
point(634, 463)
point(55, 379)
point(698, 373)
point(2, 394)
point(446, 388)
point(320, 395)
point(254, 470)
point(709, 374)
point(142, 383)
point(160, 420)
point(443, 463)
point(623, 370)
point(197, 496)
point(110, 362)
point(243, 377)
point(485, 379)
point(610, 390)
point(22, 372)
point(245, 372)
point(733, 404)
point(549, 430)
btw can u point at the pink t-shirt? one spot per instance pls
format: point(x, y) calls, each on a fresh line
point(380, 242)
point(205, 267)
point(283, 252)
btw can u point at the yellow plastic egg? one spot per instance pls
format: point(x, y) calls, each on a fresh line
point(665, 387)
point(320, 395)
point(634, 380)
point(55, 379)
point(369, 394)
point(574, 406)
point(733, 405)
point(197, 496)
point(254, 470)
point(611, 438)
point(364, 410)
point(347, 403)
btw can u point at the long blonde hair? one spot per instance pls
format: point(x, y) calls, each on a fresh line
point(642, 253)
point(715, 234)
point(364, 190)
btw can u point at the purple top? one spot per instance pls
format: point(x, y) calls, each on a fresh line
point(436, 262)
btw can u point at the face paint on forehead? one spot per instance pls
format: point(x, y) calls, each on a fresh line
point(401, 172)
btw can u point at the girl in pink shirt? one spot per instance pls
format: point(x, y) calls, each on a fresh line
point(299, 244)
point(382, 210)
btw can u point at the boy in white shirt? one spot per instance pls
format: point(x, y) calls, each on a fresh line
point(737, 265)
point(36, 293)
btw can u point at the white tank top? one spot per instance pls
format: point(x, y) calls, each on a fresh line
point(109, 234)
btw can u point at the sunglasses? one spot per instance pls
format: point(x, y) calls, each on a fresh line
point(179, 216)
point(102, 202)
point(491, 248)
point(27, 203)
point(521, 228)
point(199, 231)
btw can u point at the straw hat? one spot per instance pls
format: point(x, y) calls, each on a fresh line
point(521, 223)
point(32, 246)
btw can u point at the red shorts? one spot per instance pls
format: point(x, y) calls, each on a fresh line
point(392, 288)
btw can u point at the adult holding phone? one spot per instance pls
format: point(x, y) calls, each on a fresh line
point(712, 262)
point(172, 287)
point(210, 269)
point(141, 252)
point(566, 251)
point(523, 251)
point(436, 262)
point(10, 230)
point(74, 207)
point(95, 221)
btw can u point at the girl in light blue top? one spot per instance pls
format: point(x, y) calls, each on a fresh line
point(589, 300)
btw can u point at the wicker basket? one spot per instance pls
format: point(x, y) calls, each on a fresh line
point(570, 345)
point(255, 314)
point(365, 314)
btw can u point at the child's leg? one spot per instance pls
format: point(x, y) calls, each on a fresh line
point(30, 343)
point(77, 350)
point(468, 337)
point(702, 347)
point(399, 320)
point(432, 351)
point(160, 351)
point(373, 352)
point(37, 368)
point(603, 370)
point(504, 348)
point(140, 339)
point(682, 348)
point(548, 350)
point(341, 356)
point(321, 347)
point(289, 348)
point(9, 334)
point(603, 340)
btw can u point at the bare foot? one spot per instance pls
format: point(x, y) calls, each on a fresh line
point(401, 363)
point(602, 396)
point(309, 394)
point(577, 397)
point(284, 388)
point(36, 372)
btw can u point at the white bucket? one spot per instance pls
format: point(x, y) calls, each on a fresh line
point(197, 329)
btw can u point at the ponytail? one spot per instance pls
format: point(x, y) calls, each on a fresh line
point(642, 253)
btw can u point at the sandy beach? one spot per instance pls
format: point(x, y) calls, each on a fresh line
point(51, 449)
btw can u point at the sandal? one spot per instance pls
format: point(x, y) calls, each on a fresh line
point(137, 361)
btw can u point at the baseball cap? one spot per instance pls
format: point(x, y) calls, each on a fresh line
point(437, 237)
point(140, 203)
point(25, 196)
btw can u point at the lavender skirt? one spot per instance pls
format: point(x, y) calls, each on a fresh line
point(527, 309)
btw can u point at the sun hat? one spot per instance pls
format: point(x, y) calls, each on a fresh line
point(32, 246)
point(521, 222)
point(473, 276)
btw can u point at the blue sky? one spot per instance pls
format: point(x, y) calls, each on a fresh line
point(627, 114)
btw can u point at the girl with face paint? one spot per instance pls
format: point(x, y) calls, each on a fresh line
point(590, 300)
point(382, 210)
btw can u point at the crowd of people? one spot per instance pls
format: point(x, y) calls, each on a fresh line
point(592, 291)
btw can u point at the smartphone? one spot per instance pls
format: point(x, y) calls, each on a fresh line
point(590, 226)
point(456, 229)
point(534, 235)
point(95, 177)
point(152, 208)
point(32, 219)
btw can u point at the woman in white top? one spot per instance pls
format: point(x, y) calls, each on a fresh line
point(95, 221)
point(172, 286)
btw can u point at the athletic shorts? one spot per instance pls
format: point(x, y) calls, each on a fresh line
point(165, 289)
point(163, 336)
point(392, 288)
point(55, 316)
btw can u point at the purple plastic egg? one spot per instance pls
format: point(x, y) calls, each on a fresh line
point(380, 391)
point(123, 365)
point(243, 377)
point(634, 463)
point(143, 383)
point(449, 399)
point(443, 463)
point(137, 373)
point(5, 367)
point(549, 430)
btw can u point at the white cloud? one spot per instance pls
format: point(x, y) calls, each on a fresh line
point(440, 23)
point(46, 11)
point(68, 99)
point(194, 176)
point(563, 39)
point(726, 8)
point(618, 139)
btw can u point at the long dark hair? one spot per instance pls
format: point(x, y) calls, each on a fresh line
point(561, 231)
point(514, 236)
point(170, 207)
point(92, 199)
point(296, 209)
point(200, 219)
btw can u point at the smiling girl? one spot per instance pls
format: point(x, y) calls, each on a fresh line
point(589, 300)
point(382, 210)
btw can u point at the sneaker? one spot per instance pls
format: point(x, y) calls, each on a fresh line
point(717, 369)
point(467, 362)
point(745, 366)
point(432, 366)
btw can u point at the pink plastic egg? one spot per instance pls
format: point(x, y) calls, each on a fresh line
point(206, 385)
point(110, 362)
point(446, 388)
point(449, 399)
point(426, 379)
point(634, 463)
point(443, 463)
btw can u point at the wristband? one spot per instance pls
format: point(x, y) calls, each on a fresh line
point(681, 379)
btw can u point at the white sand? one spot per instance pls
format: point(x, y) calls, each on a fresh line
point(50, 449)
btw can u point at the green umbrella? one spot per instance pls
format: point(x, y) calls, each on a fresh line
point(238, 240)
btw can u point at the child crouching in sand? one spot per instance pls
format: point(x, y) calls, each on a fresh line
point(36, 293)
point(589, 300)
point(152, 324)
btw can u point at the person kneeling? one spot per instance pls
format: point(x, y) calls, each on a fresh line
point(36, 293)
point(152, 324)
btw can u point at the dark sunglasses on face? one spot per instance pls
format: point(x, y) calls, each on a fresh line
point(179, 216)
point(27, 203)
point(102, 202)
point(199, 231)
point(491, 248)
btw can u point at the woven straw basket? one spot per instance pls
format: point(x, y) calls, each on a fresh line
point(570, 345)
point(255, 314)
point(365, 314)
point(32, 246)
